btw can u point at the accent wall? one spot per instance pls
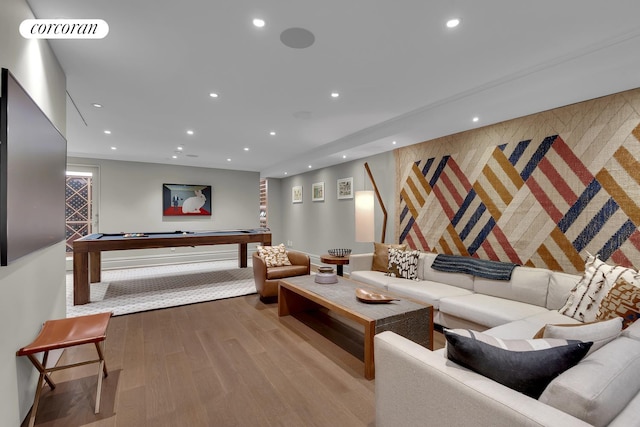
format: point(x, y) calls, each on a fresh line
point(542, 190)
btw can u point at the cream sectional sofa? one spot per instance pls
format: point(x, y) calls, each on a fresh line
point(419, 387)
point(532, 296)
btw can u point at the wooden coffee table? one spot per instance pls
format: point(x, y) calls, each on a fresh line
point(411, 319)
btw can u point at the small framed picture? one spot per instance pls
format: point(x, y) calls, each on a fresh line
point(317, 192)
point(296, 194)
point(345, 188)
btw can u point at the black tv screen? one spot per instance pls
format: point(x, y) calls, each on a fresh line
point(33, 156)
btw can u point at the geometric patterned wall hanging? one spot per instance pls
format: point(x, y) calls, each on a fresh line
point(542, 190)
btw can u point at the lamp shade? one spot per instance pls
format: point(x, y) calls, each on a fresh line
point(364, 216)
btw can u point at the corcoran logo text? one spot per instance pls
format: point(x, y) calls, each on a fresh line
point(64, 28)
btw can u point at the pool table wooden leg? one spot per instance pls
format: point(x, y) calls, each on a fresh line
point(95, 258)
point(80, 278)
point(242, 255)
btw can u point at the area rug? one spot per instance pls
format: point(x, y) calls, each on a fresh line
point(133, 290)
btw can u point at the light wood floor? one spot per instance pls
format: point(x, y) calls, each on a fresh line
point(225, 363)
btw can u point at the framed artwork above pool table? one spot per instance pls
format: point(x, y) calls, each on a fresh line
point(186, 200)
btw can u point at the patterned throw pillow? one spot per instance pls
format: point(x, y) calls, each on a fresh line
point(527, 366)
point(623, 300)
point(599, 277)
point(381, 256)
point(274, 256)
point(403, 264)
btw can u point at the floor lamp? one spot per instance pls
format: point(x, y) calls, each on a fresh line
point(364, 214)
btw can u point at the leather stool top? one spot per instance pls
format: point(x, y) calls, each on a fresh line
point(69, 332)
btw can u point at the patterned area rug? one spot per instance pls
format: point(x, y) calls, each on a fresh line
point(140, 289)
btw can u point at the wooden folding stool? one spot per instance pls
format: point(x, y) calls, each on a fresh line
point(63, 333)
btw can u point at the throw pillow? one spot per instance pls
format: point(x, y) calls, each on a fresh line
point(584, 300)
point(600, 333)
point(623, 300)
point(403, 264)
point(274, 256)
point(381, 256)
point(527, 366)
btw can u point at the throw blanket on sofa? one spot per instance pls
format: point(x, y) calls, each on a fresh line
point(495, 270)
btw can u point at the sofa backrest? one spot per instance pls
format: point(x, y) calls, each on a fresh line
point(425, 272)
point(560, 286)
point(527, 284)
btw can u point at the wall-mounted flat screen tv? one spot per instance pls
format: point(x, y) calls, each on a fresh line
point(33, 157)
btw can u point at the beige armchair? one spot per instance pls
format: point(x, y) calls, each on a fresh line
point(267, 278)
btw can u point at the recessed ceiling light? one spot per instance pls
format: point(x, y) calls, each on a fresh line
point(114, 148)
point(393, 142)
point(97, 105)
point(286, 173)
point(258, 22)
point(213, 95)
point(452, 23)
point(107, 132)
point(246, 148)
point(475, 119)
point(335, 94)
point(272, 133)
point(309, 166)
point(180, 148)
point(228, 160)
point(189, 132)
point(174, 157)
point(344, 156)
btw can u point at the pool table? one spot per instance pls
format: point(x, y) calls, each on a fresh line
point(87, 250)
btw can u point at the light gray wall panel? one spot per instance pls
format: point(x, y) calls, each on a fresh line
point(33, 287)
point(131, 201)
point(315, 227)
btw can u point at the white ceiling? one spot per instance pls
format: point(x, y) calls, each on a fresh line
point(401, 74)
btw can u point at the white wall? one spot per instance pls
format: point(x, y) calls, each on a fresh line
point(130, 200)
point(33, 288)
point(315, 227)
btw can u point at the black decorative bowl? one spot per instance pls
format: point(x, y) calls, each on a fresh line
point(339, 252)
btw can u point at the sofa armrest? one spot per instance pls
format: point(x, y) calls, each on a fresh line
point(417, 387)
point(360, 262)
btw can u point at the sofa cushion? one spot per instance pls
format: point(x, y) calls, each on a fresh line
point(601, 385)
point(629, 415)
point(623, 299)
point(488, 310)
point(527, 284)
point(632, 331)
point(460, 280)
point(274, 256)
point(381, 256)
point(560, 286)
point(526, 366)
point(427, 291)
point(403, 264)
point(529, 326)
point(375, 278)
point(600, 333)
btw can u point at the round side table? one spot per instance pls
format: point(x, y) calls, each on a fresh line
point(338, 261)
